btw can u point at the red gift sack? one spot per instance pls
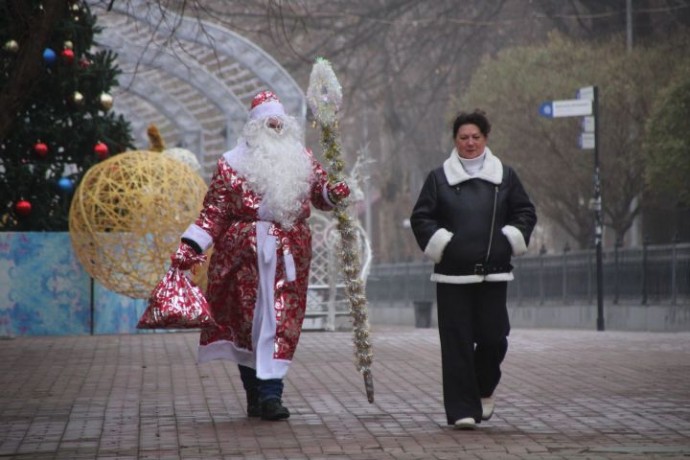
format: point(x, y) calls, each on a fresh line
point(176, 303)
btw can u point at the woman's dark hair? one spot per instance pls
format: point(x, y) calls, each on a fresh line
point(478, 117)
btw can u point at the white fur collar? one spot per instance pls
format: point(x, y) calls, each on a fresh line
point(239, 150)
point(492, 171)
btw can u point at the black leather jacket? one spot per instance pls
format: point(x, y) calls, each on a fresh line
point(472, 225)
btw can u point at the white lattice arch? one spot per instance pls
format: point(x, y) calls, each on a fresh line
point(191, 132)
point(327, 300)
point(204, 68)
point(207, 84)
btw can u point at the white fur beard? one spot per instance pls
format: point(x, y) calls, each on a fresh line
point(279, 171)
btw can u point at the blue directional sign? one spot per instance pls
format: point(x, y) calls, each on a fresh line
point(566, 108)
point(546, 109)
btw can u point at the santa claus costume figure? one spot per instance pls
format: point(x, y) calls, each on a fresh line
point(255, 215)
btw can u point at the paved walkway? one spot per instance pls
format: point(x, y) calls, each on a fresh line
point(565, 394)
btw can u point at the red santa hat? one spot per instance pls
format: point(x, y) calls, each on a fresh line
point(265, 105)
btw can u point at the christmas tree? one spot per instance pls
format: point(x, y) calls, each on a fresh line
point(55, 117)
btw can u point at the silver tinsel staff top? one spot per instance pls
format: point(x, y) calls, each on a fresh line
point(324, 95)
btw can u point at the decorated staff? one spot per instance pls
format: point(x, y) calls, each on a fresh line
point(324, 96)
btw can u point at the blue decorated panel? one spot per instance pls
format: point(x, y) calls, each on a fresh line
point(115, 313)
point(45, 291)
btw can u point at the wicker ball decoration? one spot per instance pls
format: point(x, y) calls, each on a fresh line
point(127, 216)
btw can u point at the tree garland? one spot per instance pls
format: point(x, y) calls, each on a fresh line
point(324, 97)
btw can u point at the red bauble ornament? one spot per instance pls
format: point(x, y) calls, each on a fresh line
point(68, 55)
point(41, 149)
point(23, 207)
point(84, 63)
point(101, 150)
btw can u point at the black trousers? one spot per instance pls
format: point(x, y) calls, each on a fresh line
point(473, 327)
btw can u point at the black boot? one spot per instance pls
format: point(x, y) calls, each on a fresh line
point(253, 404)
point(273, 409)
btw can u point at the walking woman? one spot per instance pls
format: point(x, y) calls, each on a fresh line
point(471, 216)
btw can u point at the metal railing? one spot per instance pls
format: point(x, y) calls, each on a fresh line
point(658, 274)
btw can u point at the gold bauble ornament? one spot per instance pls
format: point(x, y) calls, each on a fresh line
point(78, 98)
point(11, 46)
point(68, 45)
point(106, 101)
point(127, 216)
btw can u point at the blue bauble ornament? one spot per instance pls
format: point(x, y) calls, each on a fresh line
point(49, 56)
point(66, 184)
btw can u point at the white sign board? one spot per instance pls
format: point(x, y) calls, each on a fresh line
point(588, 124)
point(586, 93)
point(586, 141)
point(566, 108)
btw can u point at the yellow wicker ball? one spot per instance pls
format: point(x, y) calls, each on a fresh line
point(127, 216)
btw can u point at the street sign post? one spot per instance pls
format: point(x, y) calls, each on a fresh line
point(566, 108)
point(586, 105)
point(598, 222)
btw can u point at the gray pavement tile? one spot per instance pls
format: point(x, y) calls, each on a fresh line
point(565, 394)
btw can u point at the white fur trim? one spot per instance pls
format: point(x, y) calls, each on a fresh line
point(199, 236)
point(267, 109)
point(500, 277)
point(470, 279)
point(492, 171)
point(437, 243)
point(324, 194)
point(516, 240)
point(227, 351)
point(231, 156)
point(456, 279)
point(264, 323)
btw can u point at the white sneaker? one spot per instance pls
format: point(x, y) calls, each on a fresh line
point(466, 423)
point(488, 405)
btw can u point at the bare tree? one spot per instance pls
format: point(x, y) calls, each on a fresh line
point(405, 63)
point(545, 151)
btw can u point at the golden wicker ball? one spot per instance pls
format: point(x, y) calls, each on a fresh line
point(127, 216)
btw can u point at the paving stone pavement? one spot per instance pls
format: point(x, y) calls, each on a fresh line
point(565, 394)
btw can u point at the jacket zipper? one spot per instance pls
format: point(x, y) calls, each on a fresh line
point(493, 222)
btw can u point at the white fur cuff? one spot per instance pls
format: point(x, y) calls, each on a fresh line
point(437, 243)
point(324, 194)
point(516, 240)
point(199, 236)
